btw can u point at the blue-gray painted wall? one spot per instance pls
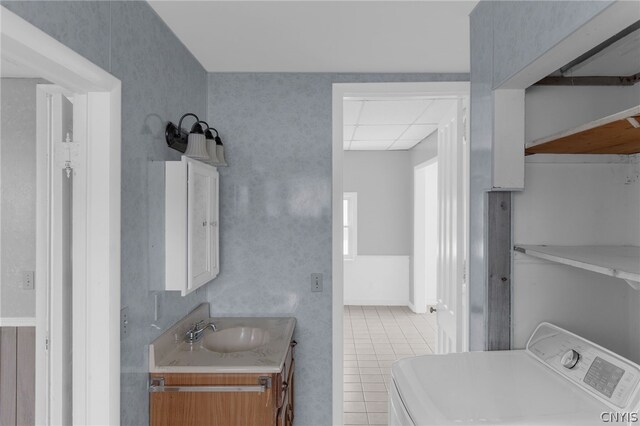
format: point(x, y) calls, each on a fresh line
point(275, 210)
point(160, 81)
point(506, 36)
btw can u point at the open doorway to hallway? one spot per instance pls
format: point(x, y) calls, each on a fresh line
point(399, 286)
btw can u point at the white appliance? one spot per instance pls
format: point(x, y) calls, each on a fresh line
point(559, 379)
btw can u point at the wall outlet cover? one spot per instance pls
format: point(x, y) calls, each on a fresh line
point(28, 280)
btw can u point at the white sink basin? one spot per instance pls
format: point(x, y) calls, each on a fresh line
point(236, 339)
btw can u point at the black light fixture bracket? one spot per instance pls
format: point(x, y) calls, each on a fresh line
point(176, 137)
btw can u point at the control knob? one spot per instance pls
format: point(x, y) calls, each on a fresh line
point(570, 359)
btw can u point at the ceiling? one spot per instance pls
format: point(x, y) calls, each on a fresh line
point(390, 124)
point(323, 36)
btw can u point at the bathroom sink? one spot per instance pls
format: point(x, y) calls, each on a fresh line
point(236, 339)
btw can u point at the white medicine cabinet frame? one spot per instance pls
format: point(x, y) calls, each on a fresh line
point(191, 225)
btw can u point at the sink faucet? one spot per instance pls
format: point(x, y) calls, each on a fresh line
point(194, 334)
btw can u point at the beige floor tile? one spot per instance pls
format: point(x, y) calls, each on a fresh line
point(355, 419)
point(374, 387)
point(371, 378)
point(378, 418)
point(354, 407)
point(353, 396)
point(385, 357)
point(353, 387)
point(376, 396)
point(377, 407)
point(367, 357)
point(352, 378)
point(374, 337)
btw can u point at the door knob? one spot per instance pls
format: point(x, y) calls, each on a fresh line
point(432, 309)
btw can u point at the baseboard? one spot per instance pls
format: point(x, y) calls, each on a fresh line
point(376, 302)
point(18, 322)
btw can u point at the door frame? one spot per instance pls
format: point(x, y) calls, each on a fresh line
point(97, 310)
point(339, 92)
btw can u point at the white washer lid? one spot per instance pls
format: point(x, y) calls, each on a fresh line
point(497, 388)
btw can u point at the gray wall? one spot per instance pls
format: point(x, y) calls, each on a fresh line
point(382, 180)
point(425, 150)
point(18, 188)
point(506, 36)
point(275, 212)
point(161, 80)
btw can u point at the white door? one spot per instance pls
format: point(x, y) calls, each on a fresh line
point(452, 175)
point(425, 243)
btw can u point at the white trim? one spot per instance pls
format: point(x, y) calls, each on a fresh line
point(339, 92)
point(97, 343)
point(18, 322)
point(352, 198)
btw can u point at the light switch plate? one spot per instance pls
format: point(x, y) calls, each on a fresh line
point(316, 282)
point(124, 322)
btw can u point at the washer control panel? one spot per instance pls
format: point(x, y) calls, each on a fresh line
point(608, 376)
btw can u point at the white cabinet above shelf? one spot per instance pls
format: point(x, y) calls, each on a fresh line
point(615, 261)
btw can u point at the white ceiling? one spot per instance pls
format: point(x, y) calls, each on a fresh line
point(323, 36)
point(390, 124)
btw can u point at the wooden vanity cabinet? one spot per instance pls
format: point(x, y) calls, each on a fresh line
point(171, 403)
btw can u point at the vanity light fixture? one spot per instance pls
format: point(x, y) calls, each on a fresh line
point(199, 143)
point(216, 147)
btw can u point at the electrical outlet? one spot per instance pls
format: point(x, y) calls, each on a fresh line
point(27, 280)
point(316, 282)
point(124, 322)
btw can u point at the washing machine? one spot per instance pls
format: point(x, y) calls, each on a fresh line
point(559, 379)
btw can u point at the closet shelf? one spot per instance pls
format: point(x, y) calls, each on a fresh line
point(615, 261)
point(616, 134)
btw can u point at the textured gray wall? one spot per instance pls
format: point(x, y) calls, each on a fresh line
point(382, 180)
point(506, 36)
point(18, 187)
point(275, 212)
point(160, 81)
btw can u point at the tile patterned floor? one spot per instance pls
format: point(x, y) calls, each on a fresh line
point(375, 337)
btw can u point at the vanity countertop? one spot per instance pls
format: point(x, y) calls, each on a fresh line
point(170, 353)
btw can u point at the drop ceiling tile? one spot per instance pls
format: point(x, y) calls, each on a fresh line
point(347, 134)
point(404, 145)
point(351, 111)
point(370, 145)
point(436, 110)
point(418, 131)
point(390, 132)
point(392, 111)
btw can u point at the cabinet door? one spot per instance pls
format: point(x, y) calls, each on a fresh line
point(202, 224)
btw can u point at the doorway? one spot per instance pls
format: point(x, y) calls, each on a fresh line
point(343, 318)
point(76, 283)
